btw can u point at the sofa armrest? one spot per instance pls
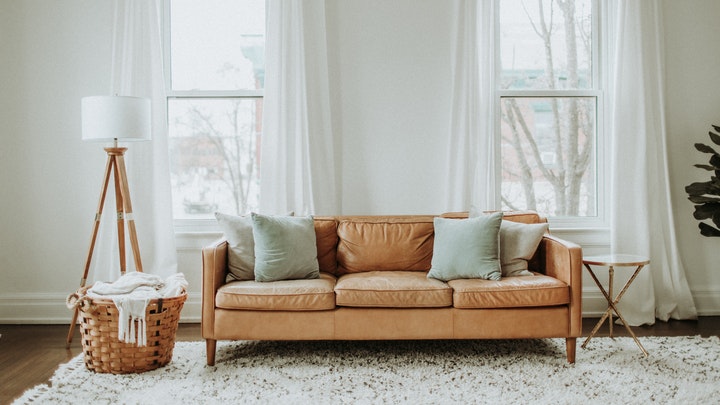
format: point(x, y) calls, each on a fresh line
point(563, 260)
point(214, 271)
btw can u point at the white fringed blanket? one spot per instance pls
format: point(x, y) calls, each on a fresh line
point(131, 294)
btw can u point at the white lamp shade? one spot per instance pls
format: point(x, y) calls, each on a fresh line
point(115, 117)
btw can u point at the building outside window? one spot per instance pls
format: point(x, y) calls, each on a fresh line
point(215, 79)
point(549, 105)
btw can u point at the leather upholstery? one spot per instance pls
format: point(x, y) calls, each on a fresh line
point(232, 324)
point(393, 323)
point(326, 240)
point(287, 295)
point(392, 289)
point(511, 323)
point(510, 292)
point(385, 244)
point(382, 291)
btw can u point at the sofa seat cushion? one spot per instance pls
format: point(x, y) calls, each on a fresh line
point(285, 295)
point(392, 289)
point(537, 290)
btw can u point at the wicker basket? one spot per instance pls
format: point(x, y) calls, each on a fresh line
point(104, 353)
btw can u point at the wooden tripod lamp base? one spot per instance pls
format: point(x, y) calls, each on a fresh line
point(114, 117)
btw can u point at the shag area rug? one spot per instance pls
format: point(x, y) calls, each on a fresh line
point(609, 371)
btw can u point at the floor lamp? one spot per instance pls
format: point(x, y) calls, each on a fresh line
point(114, 118)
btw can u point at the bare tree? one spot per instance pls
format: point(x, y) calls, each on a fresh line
point(234, 150)
point(572, 120)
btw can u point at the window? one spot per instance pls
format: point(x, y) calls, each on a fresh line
point(549, 104)
point(215, 77)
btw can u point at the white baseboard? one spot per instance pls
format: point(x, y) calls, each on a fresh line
point(707, 302)
point(28, 308)
point(50, 309)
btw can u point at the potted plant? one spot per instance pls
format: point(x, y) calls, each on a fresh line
point(706, 195)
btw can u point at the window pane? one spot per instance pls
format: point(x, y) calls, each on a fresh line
point(214, 155)
point(547, 46)
point(217, 44)
point(548, 155)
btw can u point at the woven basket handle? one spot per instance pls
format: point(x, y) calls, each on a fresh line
point(79, 300)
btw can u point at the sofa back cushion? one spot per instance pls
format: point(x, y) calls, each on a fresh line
point(524, 217)
point(326, 239)
point(384, 243)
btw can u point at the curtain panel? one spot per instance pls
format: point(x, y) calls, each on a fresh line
point(137, 70)
point(298, 151)
point(642, 220)
point(472, 148)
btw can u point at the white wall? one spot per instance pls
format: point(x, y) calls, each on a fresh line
point(693, 103)
point(52, 53)
point(391, 58)
point(390, 84)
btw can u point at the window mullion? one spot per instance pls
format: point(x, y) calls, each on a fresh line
point(548, 93)
point(215, 94)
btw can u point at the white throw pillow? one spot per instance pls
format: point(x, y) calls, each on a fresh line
point(241, 253)
point(518, 243)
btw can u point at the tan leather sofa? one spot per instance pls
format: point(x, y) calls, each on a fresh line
point(373, 285)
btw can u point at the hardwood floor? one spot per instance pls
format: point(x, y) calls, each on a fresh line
point(29, 354)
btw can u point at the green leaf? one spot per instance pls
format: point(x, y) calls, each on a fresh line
point(715, 160)
point(705, 211)
point(707, 167)
point(717, 128)
point(703, 200)
point(700, 189)
point(715, 138)
point(704, 148)
point(707, 230)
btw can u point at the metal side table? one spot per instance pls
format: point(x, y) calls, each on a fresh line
point(612, 261)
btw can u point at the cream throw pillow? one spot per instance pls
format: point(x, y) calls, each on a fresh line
point(241, 253)
point(518, 243)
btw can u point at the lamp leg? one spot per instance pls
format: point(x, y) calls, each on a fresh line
point(96, 226)
point(120, 217)
point(120, 161)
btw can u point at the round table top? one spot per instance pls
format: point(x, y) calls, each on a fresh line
point(616, 260)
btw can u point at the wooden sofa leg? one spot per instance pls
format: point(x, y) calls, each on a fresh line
point(210, 345)
point(570, 345)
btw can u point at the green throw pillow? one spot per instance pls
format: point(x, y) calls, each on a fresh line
point(466, 248)
point(285, 248)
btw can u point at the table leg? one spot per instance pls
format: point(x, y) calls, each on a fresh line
point(612, 302)
point(622, 319)
point(630, 331)
point(611, 280)
point(597, 326)
point(607, 311)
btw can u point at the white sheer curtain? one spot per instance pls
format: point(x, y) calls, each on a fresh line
point(642, 216)
point(137, 70)
point(297, 153)
point(472, 147)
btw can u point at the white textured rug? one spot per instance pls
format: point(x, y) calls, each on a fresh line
point(610, 371)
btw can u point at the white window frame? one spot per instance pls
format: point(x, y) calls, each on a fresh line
point(194, 226)
point(599, 222)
